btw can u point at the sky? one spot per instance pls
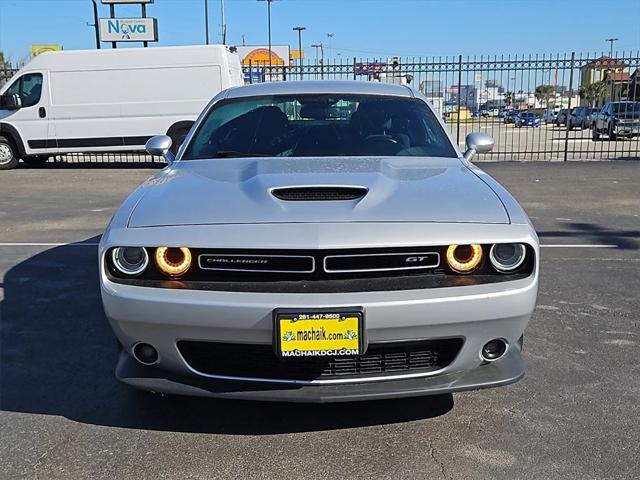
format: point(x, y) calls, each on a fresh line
point(360, 28)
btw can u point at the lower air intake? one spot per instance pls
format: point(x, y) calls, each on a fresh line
point(260, 361)
point(316, 194)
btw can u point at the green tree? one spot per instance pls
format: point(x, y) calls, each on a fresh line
point(544, 93)
point(594, 92)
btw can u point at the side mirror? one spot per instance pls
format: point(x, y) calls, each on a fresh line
point(10, 102)
point(477, 143)
point(160, 146)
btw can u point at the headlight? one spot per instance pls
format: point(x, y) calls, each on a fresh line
point(173, 261)
point(464, 258)
point(130, 260)
point(506, 257)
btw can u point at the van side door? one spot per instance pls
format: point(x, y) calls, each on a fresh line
point(31, 120)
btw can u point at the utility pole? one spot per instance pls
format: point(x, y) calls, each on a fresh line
point(329, 38)
point(95, 23)
point(300, 29)
point(611, 40)
point(206, 22)
point(223, 25)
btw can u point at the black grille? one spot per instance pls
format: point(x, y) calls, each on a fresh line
point(260, 361)
point(306, 194)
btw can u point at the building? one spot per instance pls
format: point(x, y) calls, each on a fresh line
point(597, 70)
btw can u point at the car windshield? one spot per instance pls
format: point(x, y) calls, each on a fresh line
point(527, 115)
point(626, 107)
point(319, 125)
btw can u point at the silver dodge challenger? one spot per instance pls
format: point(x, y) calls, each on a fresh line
point(319, 242)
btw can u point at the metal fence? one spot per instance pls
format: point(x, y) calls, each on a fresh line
point(484, 93)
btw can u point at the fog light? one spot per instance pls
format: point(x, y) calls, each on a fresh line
point(145, 353)
point(494, 349)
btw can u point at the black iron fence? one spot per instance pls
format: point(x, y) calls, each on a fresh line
point(537, 107)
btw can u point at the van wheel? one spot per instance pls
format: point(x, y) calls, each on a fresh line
point(35, 160)
point(8, 156)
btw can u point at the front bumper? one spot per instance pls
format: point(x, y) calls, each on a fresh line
point(478, 314)
point(622, 129)
point(508, 369)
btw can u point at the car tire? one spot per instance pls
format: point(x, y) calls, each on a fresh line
point(612, 135)
point(36, 160)
point(8, 154)
point(595, 136)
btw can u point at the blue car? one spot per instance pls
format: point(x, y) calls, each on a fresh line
point(527, 119)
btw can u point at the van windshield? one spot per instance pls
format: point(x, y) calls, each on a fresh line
point(319, 125)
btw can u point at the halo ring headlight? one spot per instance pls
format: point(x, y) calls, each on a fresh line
point(464, 258)
point(173, 262)
point(130, 261)
point(507, 257)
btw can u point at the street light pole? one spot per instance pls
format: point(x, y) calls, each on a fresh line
point(269, 27)
point(611, 40)
point(321, 47)
point(206, 22)
point(300, 29)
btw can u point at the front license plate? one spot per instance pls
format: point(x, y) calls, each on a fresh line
point(318, 333)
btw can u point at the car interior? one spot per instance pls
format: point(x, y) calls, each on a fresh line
point(323, 125)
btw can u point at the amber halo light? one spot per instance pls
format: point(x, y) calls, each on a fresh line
point(464, 258)
point(173, 262)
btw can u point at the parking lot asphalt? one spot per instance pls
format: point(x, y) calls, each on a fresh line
point(575, 415)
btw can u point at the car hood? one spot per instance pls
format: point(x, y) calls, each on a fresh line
point(239, 191)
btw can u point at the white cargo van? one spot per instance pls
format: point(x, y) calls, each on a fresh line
point(108, 100)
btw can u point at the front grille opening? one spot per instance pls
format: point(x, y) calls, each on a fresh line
point(314, 194)
point(260, 361)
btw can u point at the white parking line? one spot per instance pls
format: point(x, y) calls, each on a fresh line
point(578, 245)
point(48, 244)
point(95, 244)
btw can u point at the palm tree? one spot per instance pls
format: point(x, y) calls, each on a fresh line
point(508, 98)
point(544, 93)
point(594, 92)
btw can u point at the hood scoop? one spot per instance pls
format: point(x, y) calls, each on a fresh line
point(318, 194)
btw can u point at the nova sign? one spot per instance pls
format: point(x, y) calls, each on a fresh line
point(128, 30)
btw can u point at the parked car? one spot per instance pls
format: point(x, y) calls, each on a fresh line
point(510, 116)
point(108, 100)
point(550, 115)
point(527, 119)
point(561, 117)
point(580, 117)
point(260, 263)
point(616, 119)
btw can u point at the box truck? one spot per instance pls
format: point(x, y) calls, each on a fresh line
point(109, 100)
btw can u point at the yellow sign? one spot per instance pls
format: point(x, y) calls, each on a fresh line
point(304, 335)
point(260, 56)
point(297, 54)
point(38, 49)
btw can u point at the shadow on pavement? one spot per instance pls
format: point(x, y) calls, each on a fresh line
point(624, 239)
point(57, 356)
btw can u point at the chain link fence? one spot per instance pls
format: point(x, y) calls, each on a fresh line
point(536, 106)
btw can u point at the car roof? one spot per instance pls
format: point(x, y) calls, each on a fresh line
point(320, 86)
